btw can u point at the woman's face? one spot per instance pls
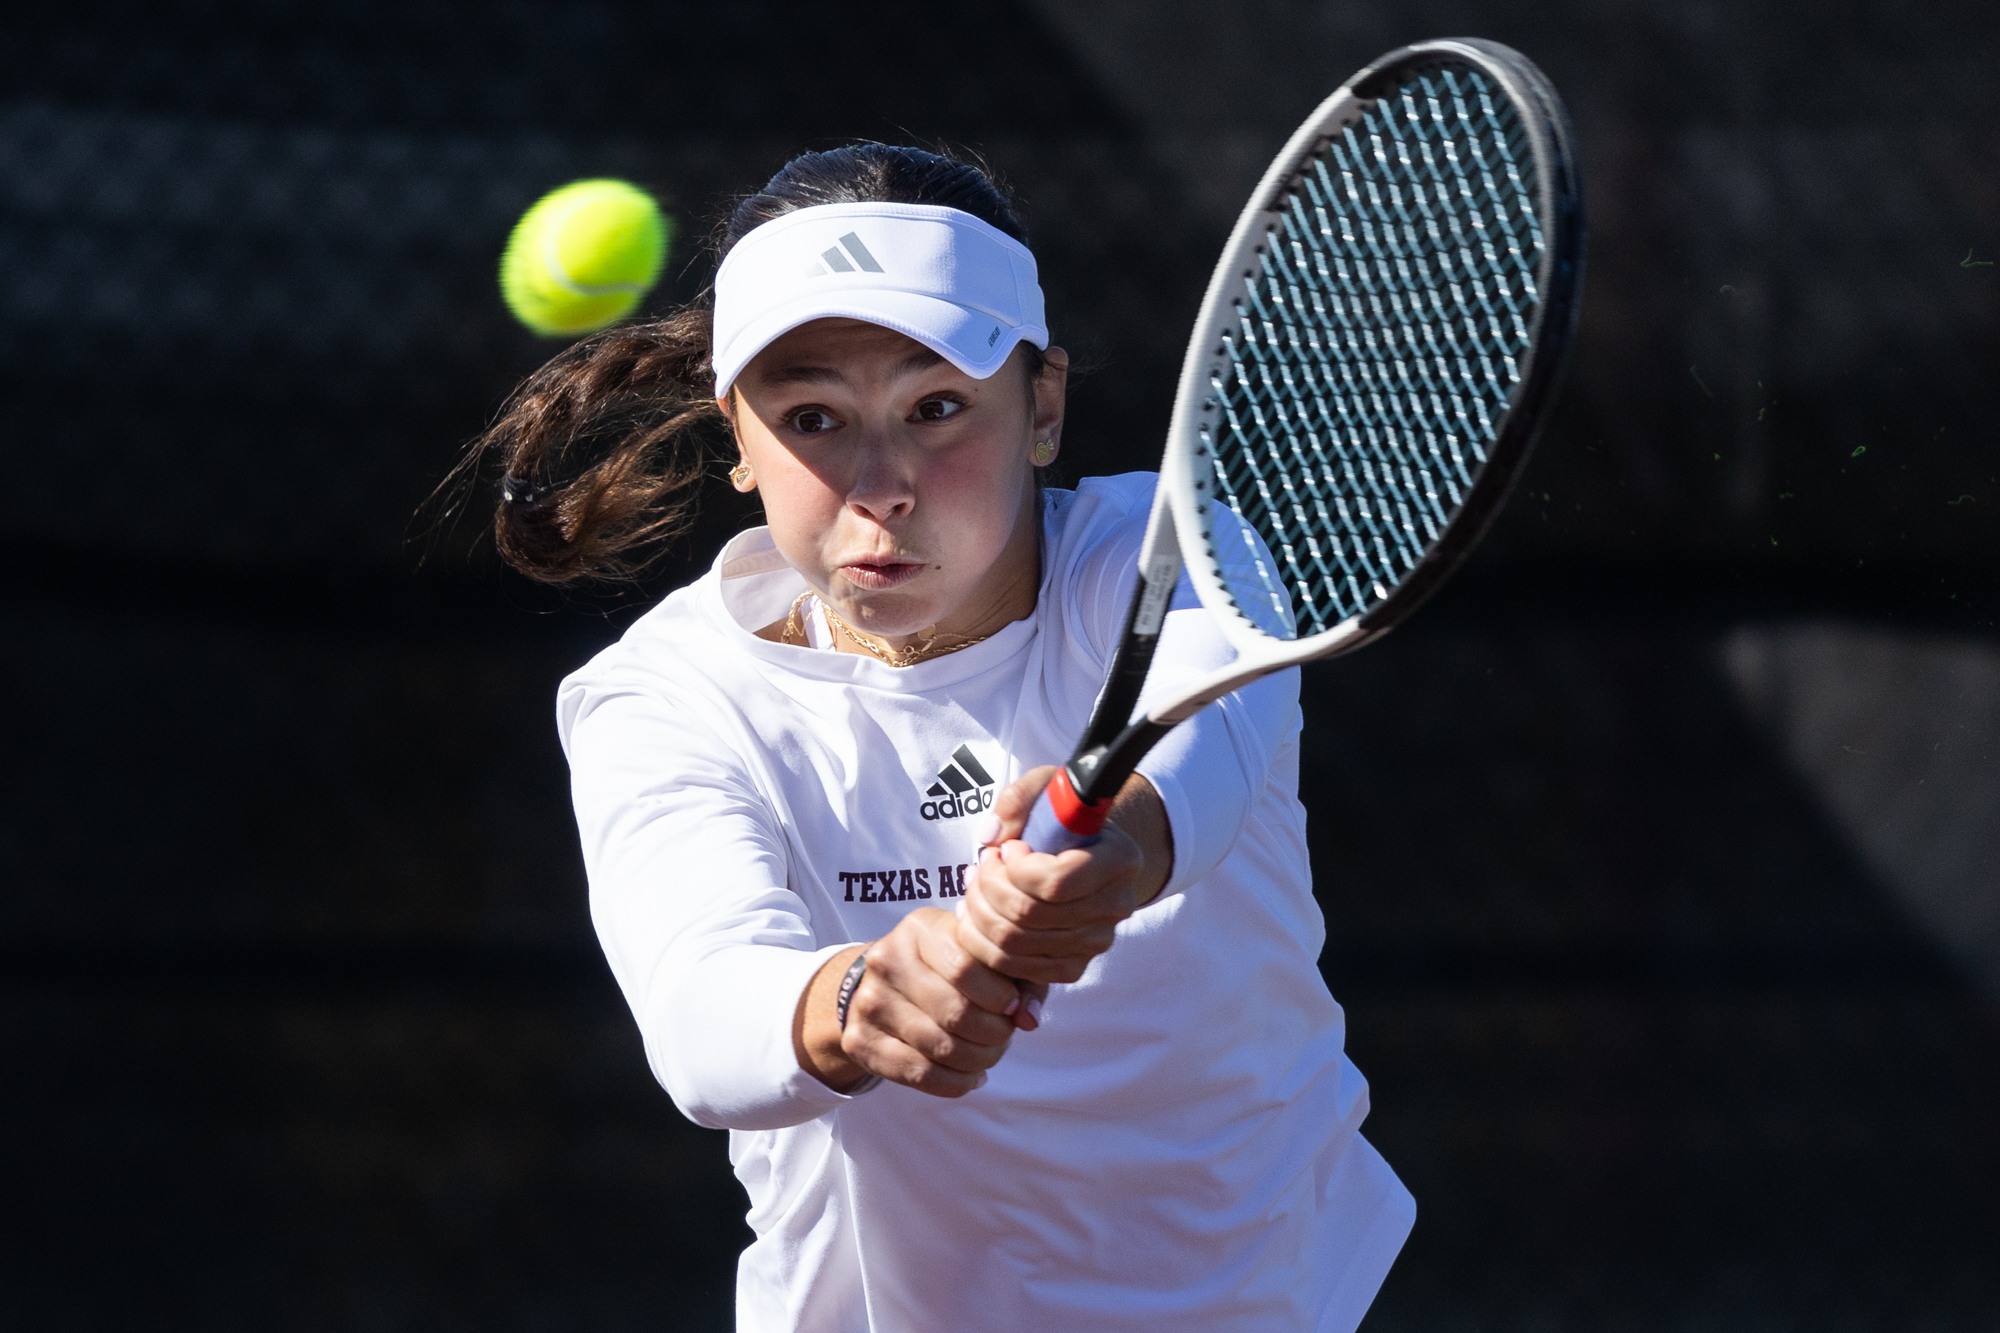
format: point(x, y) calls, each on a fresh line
point(896, 484)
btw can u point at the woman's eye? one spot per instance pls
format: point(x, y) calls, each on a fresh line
point(811, 421)
point(937, 409)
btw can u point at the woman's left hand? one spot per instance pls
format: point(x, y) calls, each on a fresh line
point(1040, 918)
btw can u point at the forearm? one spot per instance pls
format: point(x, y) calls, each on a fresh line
point(719, 1030)
point(1210, 771)
point(688, 868)
point(816, 1025)
point(1142, 815)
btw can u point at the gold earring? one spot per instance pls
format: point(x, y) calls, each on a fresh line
point(1045, 452)
point(741, 477)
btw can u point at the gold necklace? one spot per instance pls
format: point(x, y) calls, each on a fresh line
point(895, 657)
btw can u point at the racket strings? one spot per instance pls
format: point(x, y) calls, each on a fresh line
point(1375, 351)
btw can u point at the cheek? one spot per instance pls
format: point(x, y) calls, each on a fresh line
point(799, 506)
point(974, 493)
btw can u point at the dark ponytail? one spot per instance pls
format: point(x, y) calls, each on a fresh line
point(602, 450)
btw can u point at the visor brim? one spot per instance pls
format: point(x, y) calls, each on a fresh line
point(975, 342)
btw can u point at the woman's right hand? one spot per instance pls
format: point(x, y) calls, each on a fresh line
point(927, 1014)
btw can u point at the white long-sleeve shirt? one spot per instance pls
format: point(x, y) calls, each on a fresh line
point(1175, 1149)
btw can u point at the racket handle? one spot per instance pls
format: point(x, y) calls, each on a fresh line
point(1061, 819)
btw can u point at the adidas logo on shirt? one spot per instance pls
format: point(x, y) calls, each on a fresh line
point(833, 260)
point(963, 787)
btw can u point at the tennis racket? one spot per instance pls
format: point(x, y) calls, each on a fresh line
point(1380, 341)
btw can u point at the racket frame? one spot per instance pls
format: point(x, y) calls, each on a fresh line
point(1183, 513)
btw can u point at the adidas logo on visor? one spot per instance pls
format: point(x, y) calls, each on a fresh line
point(856, 256)
point(963, 787)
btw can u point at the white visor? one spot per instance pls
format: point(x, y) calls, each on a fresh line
point(959, 286)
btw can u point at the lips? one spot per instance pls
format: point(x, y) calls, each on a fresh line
point(887, 572)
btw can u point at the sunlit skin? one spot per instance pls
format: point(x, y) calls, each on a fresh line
point(901, 489)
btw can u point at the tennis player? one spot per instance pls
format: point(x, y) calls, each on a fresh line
point(968, 1085)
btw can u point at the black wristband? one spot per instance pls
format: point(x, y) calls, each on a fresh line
point(848, 985)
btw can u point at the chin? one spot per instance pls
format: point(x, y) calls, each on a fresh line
point(889, 614)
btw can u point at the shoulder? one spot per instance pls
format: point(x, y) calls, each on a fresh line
point(1104, 517)
point(1098, 500)
point(1094, 535)
point(669, 667)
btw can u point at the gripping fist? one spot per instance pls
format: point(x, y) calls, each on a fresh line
point(1039, 918)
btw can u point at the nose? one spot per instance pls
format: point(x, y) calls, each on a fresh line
point(884, 486)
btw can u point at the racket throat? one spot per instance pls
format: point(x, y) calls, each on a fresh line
point(1096, 775)
point(1113, 743)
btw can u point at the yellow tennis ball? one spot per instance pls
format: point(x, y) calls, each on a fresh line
point(584, 256)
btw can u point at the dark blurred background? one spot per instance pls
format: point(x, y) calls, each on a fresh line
point(1661, 855)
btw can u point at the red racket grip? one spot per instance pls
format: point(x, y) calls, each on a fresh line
point(1061, 819)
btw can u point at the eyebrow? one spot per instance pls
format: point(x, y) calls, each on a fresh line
point(805, 373)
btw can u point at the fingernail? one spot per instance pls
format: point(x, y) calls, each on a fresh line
point(987, 829)
point(1035, 1010)
point(1012, 1005)
point(982, 1080)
